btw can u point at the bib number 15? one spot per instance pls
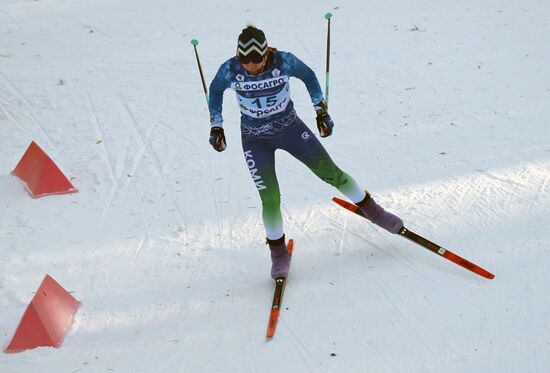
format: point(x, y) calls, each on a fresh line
point(269, 101)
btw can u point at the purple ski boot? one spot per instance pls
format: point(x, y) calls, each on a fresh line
point(379, 216)
point(280, 258)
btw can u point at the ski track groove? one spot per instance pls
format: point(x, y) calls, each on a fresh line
point(425, 194)
point(145, 149)
point(504, 180)
point(95, 30)
point(231, 232)
point(9, 115)
point(344, 293)
point(137, 159)
point(343, 237)
point(162, 368)
point(310, 219)
point(250, 354)
point(513, 192)
point(103, 138)
point(162, 365)
point(145, 238)
point(4, 102)
point(114, 179)
point(12, 18)
point(449, 195)
point(160, 168)
point(182, 324)
point(542, 187)
point(32, 113)
point(163, 172)
point(179, 133)
point(219, 219)
point(300, 347)
point(306, 49)
point(400, 299)
point(400, 259)
point(182, 364)
point(145, 145)
point(394, 254)
point(160, 348)
point(405, 321)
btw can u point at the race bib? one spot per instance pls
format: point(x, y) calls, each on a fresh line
point(262, 98)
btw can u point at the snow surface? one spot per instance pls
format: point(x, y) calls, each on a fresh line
point(441, 111)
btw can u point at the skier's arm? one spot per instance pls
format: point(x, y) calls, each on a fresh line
point(215, 98)
point(301, 71)
point(215, 102)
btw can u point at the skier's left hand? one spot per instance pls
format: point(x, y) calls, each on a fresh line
point(324, 122)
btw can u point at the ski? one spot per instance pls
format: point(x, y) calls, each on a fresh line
point(280, 284)
point(419, 240)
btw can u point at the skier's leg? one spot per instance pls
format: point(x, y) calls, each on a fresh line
point(303, 145)
point(260, 159)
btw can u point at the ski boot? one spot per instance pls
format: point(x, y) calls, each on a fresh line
point(280, 258)
point(379, 216)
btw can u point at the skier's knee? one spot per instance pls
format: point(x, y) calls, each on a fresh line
point(339, 178)
point(333, 176)
point(271, 202)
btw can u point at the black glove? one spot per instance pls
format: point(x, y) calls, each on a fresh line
point(324, 122)
point(217, 139)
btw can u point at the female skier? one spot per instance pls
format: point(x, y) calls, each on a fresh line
point(260, 77)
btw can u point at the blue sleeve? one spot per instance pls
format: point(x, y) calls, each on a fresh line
point(219, 84)
point(302, 71)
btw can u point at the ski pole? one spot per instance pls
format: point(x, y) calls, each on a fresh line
point(195, 42)
point(328, 16)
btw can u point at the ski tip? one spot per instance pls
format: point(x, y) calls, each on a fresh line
point(340, 201)
point(272, 324)
point(348, 206)
point(290, 246)
point(490, 276)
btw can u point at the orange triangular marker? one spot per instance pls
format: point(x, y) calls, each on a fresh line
point(41, 175)
point(47, 318)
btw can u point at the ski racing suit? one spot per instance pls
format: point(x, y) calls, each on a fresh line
point(269, 122)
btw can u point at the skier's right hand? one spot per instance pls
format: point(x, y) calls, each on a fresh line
point(217, 139)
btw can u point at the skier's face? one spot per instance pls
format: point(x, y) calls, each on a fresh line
point(255, 68)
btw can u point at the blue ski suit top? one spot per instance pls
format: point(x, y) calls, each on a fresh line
point(262, 98)
point(269, 122)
